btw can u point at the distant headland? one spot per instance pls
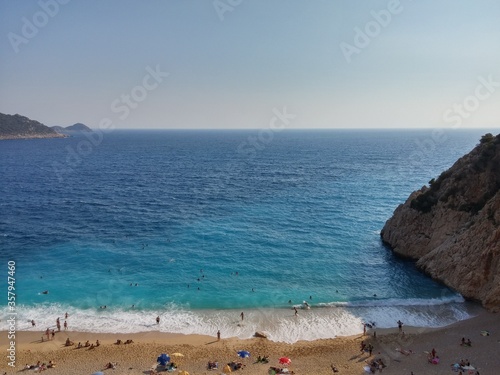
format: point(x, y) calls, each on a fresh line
point(452, 227)
point(21, 127)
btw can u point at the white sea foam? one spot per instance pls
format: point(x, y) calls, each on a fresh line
point(457, 298)
point(280, 324)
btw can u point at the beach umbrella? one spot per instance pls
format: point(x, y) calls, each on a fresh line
point(178, 356)
point(163, 359)
point(285, 361)
point(244, 354)
point(226, 369)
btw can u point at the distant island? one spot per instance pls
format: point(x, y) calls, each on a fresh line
point(21, 127)
point(78, 127)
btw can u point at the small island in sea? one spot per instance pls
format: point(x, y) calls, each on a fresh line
point(75, 128)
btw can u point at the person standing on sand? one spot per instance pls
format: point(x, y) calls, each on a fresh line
point(400, 325)
point(296, 312)
point(242, 316)
point(218, 335)
point(65, 325)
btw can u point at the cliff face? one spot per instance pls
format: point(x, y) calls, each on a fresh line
point(20, 127)
point(452, 228)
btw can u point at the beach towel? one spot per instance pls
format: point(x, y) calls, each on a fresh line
point(468, 368)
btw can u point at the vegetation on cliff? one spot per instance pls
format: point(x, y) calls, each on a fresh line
point(485, 160)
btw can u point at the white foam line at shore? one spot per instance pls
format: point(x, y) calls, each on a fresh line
point(280, 324)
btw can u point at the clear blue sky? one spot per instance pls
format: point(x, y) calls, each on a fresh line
point(228, 68)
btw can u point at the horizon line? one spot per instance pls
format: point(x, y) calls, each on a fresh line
point(315, 129)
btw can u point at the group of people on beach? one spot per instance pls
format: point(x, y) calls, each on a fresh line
point(110, 365)
point(51, 333)
point(465, 343)
point(212, 365)
point(262, 359)
point(88, 345)
point(366, 348)
point(464, 365)
point(433, 357)
point(234, 366)
point(40, 366)
point(278, 370)
point(119, 342)
point(370, 325)
point(376, 364)
point(58, 323)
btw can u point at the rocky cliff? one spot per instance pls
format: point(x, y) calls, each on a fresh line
point(452, 227)
point(20, 127)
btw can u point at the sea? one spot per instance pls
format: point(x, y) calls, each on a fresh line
point(198, 226)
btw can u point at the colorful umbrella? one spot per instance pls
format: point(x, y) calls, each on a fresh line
point(163, 359)
point(244, 354)
point(285, 361)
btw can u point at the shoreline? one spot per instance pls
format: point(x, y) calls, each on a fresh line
point(308, 357)
point(12, 137)
point(279, 324)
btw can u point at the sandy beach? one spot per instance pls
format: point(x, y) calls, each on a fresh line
point(308, 357)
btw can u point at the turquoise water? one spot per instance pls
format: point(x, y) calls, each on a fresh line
point(185, 225)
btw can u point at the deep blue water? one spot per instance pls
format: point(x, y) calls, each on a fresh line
point(207, 221)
